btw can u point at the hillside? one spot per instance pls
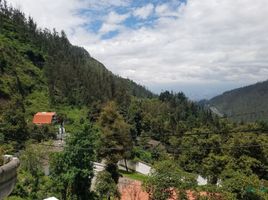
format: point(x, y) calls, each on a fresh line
point(243, 104)
point(41, 70)
point(30, 50)
point(109, 118)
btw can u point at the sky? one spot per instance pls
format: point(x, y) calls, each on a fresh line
point(200, 47)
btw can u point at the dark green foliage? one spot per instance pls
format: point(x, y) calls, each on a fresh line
point(106, 188)
point(42, 133)
point(14, 127)
point(115, 140)
point(41, 71)
point(72, 169)
point(41, 67)
point(244, 104)
point(245, 187)
point(32, 183)
point(168, 179)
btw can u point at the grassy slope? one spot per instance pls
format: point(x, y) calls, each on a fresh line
point(22, 78)
point(31, 79)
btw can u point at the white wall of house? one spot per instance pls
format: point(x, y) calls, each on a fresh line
point(201, 181)
point(143, 168)
point(140, 167)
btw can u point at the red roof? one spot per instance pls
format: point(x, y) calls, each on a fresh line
point(132, 190)
point(43, 117)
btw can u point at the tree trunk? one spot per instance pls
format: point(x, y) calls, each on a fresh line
point(213, 180)
point(126, 164)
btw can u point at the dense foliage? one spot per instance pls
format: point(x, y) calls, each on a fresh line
point(72, 169)
point(111, 118)
point(167, 180)
point(40, 71)
point(244, 104)
point(32, 182)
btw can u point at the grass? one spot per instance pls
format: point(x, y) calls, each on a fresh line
point(75, 117)
point(134, 175)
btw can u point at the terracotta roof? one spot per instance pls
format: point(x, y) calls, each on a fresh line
point(132, 190)
point(43, 117)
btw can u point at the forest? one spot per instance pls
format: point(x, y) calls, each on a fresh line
point(244, 104)
point(111, 118)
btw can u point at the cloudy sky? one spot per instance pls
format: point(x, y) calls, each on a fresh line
point(201, 47)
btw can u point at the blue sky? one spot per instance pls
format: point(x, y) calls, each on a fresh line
point(200, 47)
point(138, 14)
point(129, 15)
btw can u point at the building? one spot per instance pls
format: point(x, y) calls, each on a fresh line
point(51, 198)
point(42, 118)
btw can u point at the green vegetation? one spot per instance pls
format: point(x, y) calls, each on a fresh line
point(72, 169)
point(115, 140)
point(134, 175)
point(168, 179)
point(246, 104)
point(106, 187)
point(41, 71)
point(112, 118)
point(32, 182)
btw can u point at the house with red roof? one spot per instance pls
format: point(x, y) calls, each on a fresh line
point(42, 118)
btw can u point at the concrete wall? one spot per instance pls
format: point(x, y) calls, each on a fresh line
point(143, 168)
point(201, 180)
point(140, 167)
point(8, 176)
point(97, 167)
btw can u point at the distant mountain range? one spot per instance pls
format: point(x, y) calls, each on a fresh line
point(248, 103)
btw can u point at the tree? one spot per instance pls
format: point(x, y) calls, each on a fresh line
point(167, 180)
point(72, 169)
point(115, 140)
point(15, 126)
point(106, 186)
point(32, 182)
point(243, 186)
point(213, 166)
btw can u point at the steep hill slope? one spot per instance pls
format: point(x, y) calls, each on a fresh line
point(247, 103)
point(40, 70)
point(32, 59)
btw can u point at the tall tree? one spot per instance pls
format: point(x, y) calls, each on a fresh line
point(115, 140)
point(168, 180)
point(72, 169)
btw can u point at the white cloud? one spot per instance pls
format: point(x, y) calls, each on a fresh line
point(53, 14)
point(112, 22)
point(103, 4)
point(144, 12)
point(115, 18)
point(208, 42)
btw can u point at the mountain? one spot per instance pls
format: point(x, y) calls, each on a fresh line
point(33, 59)
point(243, 104)
point(40, 70)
